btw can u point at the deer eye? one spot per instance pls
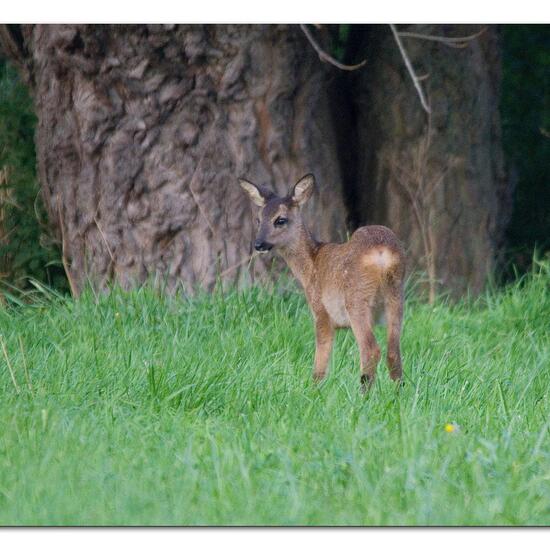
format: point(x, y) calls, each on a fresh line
point(280, 221)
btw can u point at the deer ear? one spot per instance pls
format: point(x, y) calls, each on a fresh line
point(256, 196)
point(303, 189)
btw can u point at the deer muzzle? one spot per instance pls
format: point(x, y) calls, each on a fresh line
point(262, 246)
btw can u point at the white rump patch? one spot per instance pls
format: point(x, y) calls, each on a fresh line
point(380, 257)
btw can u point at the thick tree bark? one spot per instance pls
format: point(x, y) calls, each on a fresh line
point(457, 178)
point(143, 131)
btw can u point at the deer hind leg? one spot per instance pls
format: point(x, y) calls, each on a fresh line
point(324, 337)
point(393, 304)
point(361, 324)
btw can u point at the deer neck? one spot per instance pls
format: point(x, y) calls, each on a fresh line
point(300, 256)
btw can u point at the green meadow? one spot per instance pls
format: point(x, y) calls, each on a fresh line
point(145, 409)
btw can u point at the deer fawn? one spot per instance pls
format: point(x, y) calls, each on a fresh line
point(341, 281)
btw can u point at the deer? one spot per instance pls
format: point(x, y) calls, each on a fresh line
point(342, 282)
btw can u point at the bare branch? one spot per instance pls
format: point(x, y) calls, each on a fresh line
point(104, 240)
point(407, 61)
point(10, 368)
point(453, 42)
point(25, 367)
point(324, 56)
point(196, 198)
point(73, 287)
point(248, 259)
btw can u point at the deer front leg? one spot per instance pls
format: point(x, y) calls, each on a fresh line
point(324, 337)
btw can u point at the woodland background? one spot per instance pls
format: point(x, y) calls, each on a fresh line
point(120, 149)
point(120, 146)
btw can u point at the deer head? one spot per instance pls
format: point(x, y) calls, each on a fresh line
point(279, 220)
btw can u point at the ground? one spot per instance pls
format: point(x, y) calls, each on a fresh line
point(137, 408)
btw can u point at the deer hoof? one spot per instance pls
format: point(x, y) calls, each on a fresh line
point(366, 383)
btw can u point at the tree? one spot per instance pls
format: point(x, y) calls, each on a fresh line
point(143, 130)
point(438, 179)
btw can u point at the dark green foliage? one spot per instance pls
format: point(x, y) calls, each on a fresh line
point(26, 251)
point(525, 109)
point(340, 35)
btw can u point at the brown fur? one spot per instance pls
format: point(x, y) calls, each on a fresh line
point(342, 282)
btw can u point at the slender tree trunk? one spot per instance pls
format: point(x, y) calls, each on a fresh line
point(143, 131)
point(449, 165)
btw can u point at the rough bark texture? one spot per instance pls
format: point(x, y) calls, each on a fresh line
point(143, 131)
point(458, 177)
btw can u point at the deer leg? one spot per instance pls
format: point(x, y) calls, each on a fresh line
point(324, 337)
point(393, 304)
point(369, 352)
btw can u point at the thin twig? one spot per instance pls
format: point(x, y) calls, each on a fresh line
point(324, 56)
point(427, 242)
point(456, 42)
point(195, 173)
point(415, 80)
point(25, 368)
point(104, 240)
point(63, 253)
point(17, 389)
point(235, 266)
point(195, 197)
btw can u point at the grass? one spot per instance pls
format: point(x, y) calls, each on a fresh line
point(144, 409)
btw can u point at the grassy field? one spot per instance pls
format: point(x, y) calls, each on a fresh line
point(141, 409)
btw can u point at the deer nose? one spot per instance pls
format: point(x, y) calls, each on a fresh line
point(262, 246)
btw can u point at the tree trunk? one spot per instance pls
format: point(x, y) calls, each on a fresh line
point(143, 131)
point(446, 195)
